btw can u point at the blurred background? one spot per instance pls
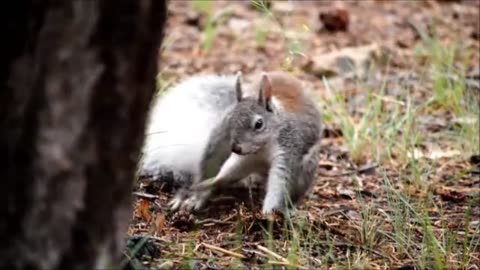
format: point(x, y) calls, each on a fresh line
point(404, 54)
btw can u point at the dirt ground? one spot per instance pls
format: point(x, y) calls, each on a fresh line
point(373, 206)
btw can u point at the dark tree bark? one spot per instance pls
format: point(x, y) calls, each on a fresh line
point(76, 81)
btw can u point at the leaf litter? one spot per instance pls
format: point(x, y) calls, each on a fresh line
point(393, 191)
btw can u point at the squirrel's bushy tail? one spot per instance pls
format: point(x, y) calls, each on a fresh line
point(180, 124)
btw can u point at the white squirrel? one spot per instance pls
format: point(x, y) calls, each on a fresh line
point(271, 129)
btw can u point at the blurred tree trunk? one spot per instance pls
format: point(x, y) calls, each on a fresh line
point(76, 81)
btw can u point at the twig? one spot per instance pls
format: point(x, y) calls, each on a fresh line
point(389, 99)
point(283, 261)
point(359, 170)
point(211, 220)
point(228, 252)
point(256, 252)
point(145, 195)
point(273, 254)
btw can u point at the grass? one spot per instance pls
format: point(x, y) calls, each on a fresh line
point(405, 223)
point(387, 131)
point(205, 8)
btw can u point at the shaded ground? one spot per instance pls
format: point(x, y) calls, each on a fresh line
point(397, 186)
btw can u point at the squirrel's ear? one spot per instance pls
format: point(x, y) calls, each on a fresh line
point(238, 86)
point(265, 92)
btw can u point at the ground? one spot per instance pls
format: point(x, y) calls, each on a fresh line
point(399, 180)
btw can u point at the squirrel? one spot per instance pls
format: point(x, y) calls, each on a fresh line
point(271, 129)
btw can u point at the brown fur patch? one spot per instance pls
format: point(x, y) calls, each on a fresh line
point(287, 90)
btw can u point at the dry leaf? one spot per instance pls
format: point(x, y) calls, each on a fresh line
point(159, 222)
point(450, 194)
point(143, 210)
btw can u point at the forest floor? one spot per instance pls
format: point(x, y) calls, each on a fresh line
point(399, 179)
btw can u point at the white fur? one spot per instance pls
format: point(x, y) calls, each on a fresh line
point(179, 124)
point(277, 103)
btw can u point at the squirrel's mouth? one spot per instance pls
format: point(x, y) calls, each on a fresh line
point(242, 151)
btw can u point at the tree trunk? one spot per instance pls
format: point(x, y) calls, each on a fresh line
point(76, 78)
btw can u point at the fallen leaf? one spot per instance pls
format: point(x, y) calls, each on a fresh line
point(346, 193)
point(344, 62)
point(158, 224)
point(450, 194)
point(143, 210)
point(160, 221)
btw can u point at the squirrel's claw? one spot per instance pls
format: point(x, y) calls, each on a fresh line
point(175, 203)
point(194, 202)
point(197, 200)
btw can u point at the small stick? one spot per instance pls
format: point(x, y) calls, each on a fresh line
point(145, 195)
point(273, 254)
point(256, 252)
point(357, 171)
point(228, 252)
point(211, 220)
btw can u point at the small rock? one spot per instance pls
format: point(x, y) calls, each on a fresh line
point(238, 25)
point(345, 62)
point(336, 19)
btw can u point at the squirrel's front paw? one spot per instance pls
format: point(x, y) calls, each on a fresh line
point(269, 211)
point(271, 204)
point(195, 202)
point(177, 201)
point(189, 202)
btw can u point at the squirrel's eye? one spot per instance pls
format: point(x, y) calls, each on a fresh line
point(258, 124)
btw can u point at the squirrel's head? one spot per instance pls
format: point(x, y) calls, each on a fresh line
point(252, 122)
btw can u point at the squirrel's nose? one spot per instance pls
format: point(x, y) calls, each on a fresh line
point(236, 149)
